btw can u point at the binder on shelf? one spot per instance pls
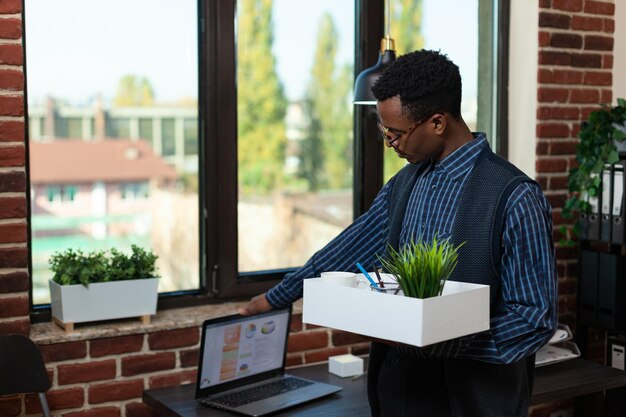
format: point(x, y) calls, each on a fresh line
point(605, 207)
point(593, 218)
point(611, 292)
point(583, 218)
point(588, 294)
point(616, 353)
point(617, 212)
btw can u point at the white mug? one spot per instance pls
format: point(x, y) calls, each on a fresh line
point(347, 279)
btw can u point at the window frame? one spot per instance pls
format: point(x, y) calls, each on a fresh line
point(217, 149)
point(222, 277)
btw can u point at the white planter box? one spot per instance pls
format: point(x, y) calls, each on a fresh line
point(462, 309)
point(104, 300)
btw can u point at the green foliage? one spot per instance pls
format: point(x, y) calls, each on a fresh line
point(422, 268)
point(392, 163)
point(406, 30)
point(261, 103)
point(406, 25)
point(133, 90)
point(327, 147)
point(75, 267)
point(596, 148)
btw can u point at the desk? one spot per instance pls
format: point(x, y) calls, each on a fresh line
point(351, 401)
point(574, 378)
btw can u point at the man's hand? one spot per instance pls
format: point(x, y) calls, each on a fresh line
point(258, 304)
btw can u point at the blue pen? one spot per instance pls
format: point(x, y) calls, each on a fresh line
point(358, 265)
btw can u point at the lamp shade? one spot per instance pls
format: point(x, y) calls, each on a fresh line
point(363, 85)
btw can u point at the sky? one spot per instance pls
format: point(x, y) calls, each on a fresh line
point(117, 37)
point(157, 39)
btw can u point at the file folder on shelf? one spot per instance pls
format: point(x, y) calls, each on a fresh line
point(593, 218)
point(588, 294)
point(617, 212)
point(611, 292)
point(605, 207)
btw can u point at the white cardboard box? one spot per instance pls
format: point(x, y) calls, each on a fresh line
point(462, 309)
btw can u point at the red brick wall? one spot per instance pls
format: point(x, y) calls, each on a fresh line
point(14, 280)
point(575, 74)
point(105, 377)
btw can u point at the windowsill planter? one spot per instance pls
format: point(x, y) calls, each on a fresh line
point(103, 285)
point(103, 301)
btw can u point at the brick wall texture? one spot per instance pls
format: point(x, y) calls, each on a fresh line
point(575, 75)
point(14, 280)
point(105, 377)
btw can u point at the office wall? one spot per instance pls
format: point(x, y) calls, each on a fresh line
point(523, 84)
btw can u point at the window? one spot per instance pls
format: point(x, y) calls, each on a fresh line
point(168, 138)
point(117, 127)
point(134, 191)
point(60, 193)
point(261, 156)
point(295, 66)
point(280, 134)
point(103, 135)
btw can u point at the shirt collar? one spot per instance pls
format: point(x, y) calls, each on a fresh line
point(459, 162)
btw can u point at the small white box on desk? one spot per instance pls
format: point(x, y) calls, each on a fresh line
point(345, 365)
point(462, 309)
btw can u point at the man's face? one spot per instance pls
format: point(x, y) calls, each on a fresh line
point(415, 141)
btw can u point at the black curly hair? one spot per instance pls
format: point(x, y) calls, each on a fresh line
point(426, 82)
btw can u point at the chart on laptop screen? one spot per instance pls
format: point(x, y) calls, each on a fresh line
point(247, 347)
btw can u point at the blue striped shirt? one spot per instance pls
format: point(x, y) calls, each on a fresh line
point(528, 269)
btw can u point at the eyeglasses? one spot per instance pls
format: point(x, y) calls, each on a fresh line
point(386, 132)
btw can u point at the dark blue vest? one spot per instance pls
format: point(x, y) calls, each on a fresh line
point(474, 388)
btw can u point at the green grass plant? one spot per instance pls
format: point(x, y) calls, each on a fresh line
point(422, 267)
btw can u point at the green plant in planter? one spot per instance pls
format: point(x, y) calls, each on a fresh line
point(75, 267)
point(422, 268)
point(596, 148)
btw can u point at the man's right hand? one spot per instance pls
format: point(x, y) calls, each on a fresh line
point(258, 304)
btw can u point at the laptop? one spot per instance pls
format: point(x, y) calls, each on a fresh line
point(242, 364)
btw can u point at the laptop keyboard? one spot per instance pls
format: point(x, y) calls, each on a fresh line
point(261, 392)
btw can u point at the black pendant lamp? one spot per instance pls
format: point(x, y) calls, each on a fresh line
point(363, 85)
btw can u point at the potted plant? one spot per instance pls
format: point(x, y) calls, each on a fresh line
point(102, 286)
point(600, 136)
point(421, 268)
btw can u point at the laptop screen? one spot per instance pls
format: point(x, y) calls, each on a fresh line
point(237, 347)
